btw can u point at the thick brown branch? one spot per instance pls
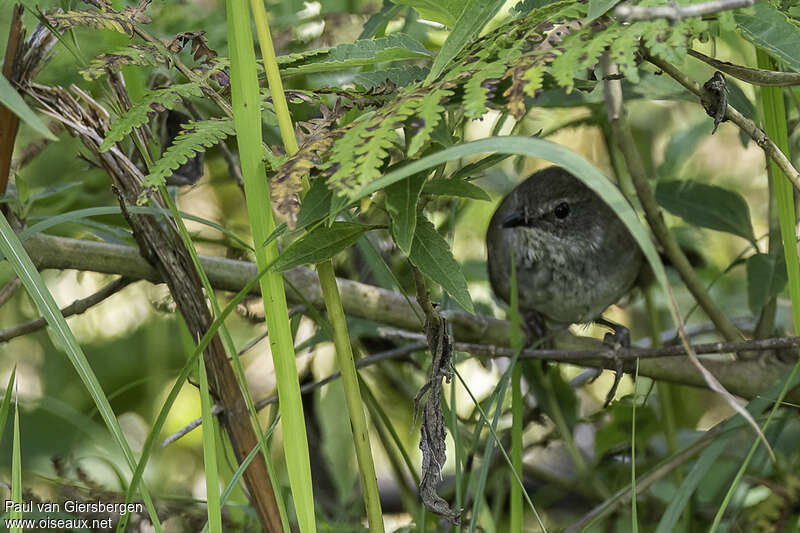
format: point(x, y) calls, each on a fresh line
point(365, 301)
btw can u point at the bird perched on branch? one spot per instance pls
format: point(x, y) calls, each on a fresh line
point(574, 257)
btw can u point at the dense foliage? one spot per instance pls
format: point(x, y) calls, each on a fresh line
point(411, 120)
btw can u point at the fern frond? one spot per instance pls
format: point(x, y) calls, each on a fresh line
point(151, 103)
point(195, 138)
point(120, 21)
point(429, 114)
point(482, 81)
point(400, 76)
point(133, 54)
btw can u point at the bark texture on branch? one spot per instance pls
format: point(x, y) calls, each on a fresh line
point(746, 379)
point(161, 249)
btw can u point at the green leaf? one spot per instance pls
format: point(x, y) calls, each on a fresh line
point(720, 445)
point(377, 22)
point(393, 47)
point(707, 206)
point(531, 147)
point(476, 14)
point(599, 7)
point(4, 407)
point(10, 98)
point(431, 254)
point(316, 204)
point(16, 470)
point(12, 248)
point(140, 112)
point(768, 28)
point(319, 245)
point(209, 451)
point(197, 136)
point(766, 278)
point(400, 76)
point(455, 187)
point(680, 147)
point(401, 203)
point(444, 11)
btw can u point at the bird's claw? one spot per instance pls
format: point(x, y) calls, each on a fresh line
point(620, 338)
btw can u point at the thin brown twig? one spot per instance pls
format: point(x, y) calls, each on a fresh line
point(748, 126)
point(625, 141)
point(755, 76)
point(309, 387)
point(627, 145)
point(678, 12)
point(75, 308)
point(9, 289)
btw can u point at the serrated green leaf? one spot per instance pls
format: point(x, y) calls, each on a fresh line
point(766, 278)
point(196, 138)
point(455, 187)
point(765, 26)
point(431, 254)
point(393, 47)
point(10, 98)
point(475, 90)
point(140, 112)
point(429, 114)
point(133, 54)
point(400, 76)
point(707, 206)
point(401, 203)
point(319, 245)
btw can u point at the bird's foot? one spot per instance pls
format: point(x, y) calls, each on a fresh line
point(620, 338)
point(533, 326)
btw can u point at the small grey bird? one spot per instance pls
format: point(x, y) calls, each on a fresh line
point(573, 255)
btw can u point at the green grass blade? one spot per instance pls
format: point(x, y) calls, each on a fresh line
point(147, 449)
point(12, 249)
point(16, 471)
point(776, 128)
point(4, 407)
point(516, 510)
point(246, 103)
point(209, 452)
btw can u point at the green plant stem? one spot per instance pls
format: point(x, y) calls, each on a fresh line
point(775, 124)
point(664, 389)
point(247, 119)
point(330, 291)
point(352, 394)
point(634, 514)
point(274, 78)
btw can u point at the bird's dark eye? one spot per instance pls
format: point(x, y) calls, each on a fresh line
point(561, 210)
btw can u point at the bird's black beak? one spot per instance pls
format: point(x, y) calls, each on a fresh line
point(513, 220)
